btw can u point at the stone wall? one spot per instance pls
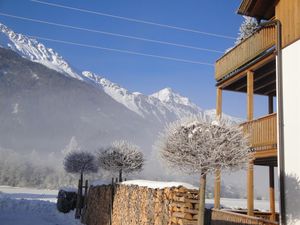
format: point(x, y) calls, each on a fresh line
point(135, 205)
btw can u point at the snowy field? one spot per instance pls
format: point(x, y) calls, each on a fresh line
point(29, 206)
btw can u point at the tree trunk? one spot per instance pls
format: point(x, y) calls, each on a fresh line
point(202, 199)
point(79, 197)
point(120, 175)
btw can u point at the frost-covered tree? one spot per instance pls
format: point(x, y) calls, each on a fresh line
point(198, 145)
point(80, 162)
point(121, 156)
point(247, 28)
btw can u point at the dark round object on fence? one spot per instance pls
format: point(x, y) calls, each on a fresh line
point(66, 201)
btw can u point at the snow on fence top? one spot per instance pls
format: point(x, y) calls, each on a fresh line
point(158, 184)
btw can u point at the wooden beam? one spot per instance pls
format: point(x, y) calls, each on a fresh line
point(272, 193)
point(249, 95)
point(266, 84)
point(265, 153)
point(271, 92)
point(250, 190)
point(256, 79)
point(217, 191)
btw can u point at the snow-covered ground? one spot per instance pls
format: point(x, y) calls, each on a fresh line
point(29, 206)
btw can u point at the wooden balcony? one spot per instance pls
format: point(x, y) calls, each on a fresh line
point(262, 134)
point(223, 217)
point(248, 50)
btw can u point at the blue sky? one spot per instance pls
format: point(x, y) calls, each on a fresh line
point(141, 73)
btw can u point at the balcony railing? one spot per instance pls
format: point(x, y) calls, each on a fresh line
point(262, 132)
point(250, 48)
point(222, 217)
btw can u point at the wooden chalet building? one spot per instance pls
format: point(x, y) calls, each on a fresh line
point(267, 63)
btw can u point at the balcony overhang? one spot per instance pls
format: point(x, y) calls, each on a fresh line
point(264, 78)
point(260, 9)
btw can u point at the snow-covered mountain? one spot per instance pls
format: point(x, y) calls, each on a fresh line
point(163, 106)
point(35, 51)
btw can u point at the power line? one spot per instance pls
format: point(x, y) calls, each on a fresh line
point(110, 33)
point(122, 51)
point(134, 20)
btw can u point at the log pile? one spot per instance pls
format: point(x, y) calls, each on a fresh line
point(98, 209)
point(135, 205)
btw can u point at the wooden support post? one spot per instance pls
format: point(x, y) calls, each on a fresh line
point(249, 95)
point(250, 180)
point(219, 102)
point(271, 105)
point(217, 191)
point(250, 190)
point(201, 212)
point(272, 193)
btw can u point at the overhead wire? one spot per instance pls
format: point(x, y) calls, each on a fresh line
point(110, 33)
point(122, 51)
point(134, 20)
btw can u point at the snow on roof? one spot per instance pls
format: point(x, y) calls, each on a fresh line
point(158, 184)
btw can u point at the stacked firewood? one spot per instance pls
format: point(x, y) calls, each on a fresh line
point(184, 207)
point(135, 205)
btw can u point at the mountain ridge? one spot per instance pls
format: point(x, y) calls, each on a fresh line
point(164, 105)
